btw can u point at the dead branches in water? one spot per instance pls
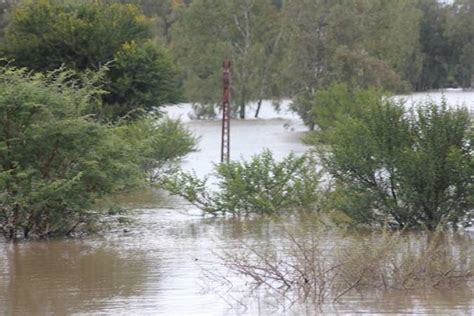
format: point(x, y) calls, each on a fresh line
point(319, 265)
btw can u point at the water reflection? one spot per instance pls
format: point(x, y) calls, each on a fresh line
point(157, 268)
point(65, 276)
point(441, 302)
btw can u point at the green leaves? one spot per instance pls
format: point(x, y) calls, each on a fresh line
point(56, 161)
point(44, 35)
point(156, 144)
point(412, 167)
point(261, 185)
point(91, 35)
point(142, 77)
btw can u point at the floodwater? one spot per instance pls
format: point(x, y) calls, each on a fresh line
point(157, 265)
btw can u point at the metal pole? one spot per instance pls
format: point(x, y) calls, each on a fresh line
point(225, 145)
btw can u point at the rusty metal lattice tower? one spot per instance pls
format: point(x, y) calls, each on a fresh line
point(225, 146)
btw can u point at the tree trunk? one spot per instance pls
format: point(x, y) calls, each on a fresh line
point(243, 102)
point(259, 104)
point(242, 110)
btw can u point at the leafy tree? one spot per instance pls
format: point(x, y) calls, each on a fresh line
point(411, 167)
point(162, 14)
point(246, 32)
point(43, 35)
point(157, 144)
point(460, 32)
point(359, 43)
point(437, 53)
point(446, 37)
point(56, 161)
point(142, 77)
point(258, 186)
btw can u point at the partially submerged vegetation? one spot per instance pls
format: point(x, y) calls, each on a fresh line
point(261, 185)
point(383, 164)
point(58, 159)
point(410, 166)
point(81, 91)
point(81, 88)
point(311, 263)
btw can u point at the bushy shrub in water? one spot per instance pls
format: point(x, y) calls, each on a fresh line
point(56, 160)
point(413, 167)
point(323, 107)
point(157, 143)
point(261, 185)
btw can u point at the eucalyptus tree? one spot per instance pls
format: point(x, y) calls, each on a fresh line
point(460, 33)
point(246, 32)
point(360, 43)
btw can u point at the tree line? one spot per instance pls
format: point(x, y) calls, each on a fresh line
point(291, 48)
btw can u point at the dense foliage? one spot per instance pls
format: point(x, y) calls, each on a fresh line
point(278, 48)
point(157, 144)
point(57, 160)
point(70, 137)
point(295, 48)
point(246, 32)
point(412, 167)
point(446, 42)
point(261, 185)
point(327, 105)
point(44, 35)
point(141, 78)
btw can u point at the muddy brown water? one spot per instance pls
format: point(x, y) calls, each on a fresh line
point(155, 266)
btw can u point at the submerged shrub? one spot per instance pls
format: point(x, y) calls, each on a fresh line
point(316, 264)
point(57, 160)
point(414, 168)
point(157, 143)
point(261, 185)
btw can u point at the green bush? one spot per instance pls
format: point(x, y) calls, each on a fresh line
point(322, 108)
point(57, 161)
point(414, 167)
point(157, 144)
point(338, 101)
point(258, 186)
point(141, 78)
